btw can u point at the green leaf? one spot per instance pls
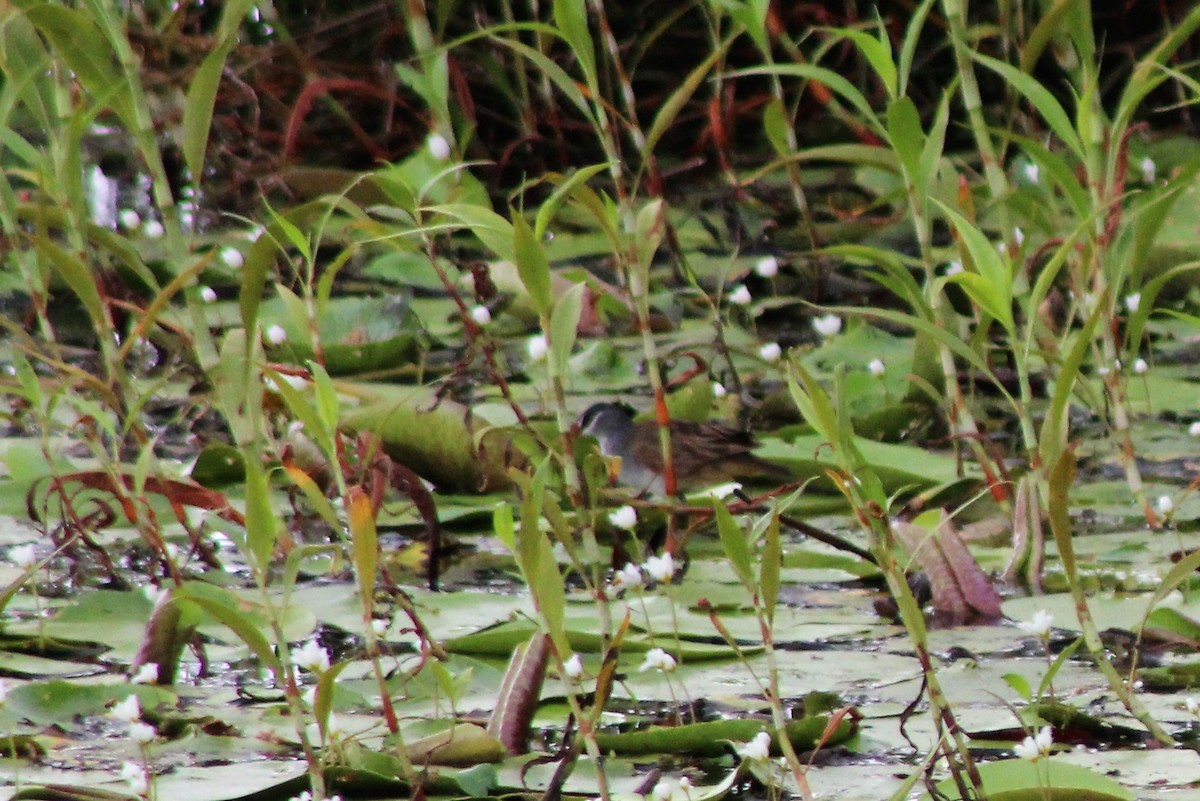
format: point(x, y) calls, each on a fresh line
point(830, 79)
point(79, 278)
point(1042, 101)
point(87, 53)
point(907, 138)
point(571, 18)
point(994, 291)
point(564, 190)
point(908, 48)
point(769, 569)
point(532, 265)
point(227, 613)
point(291, 234)
point(198, 107)
point(878, 52)
point(262, 528)
point(735, 544)
point(1046, 779)
point(775, 125)
point(564, 323)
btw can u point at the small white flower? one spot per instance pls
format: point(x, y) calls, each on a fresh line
point(153, 229)
point(661, 568)
point(1039, 626)
point(127, 710)
point(379, 626)
point(1027, 749)
point(537, 347)
point(135, 776)
point(573, 667)
point(758, 749)
point(1149, 170)
point(625, 517)
point(1002, 248)
point(1140, 367)
point(1132, 301)
point(1035, 746)
point(1165, 505)
point(311, 656)
point(767, 267)
point(232, 257)
point(1194, 429)
point(876, 367)
point(663, 790)
point(1192, 706)
point(208, 294)
point(146, 674)
point(142, 733)
point(685, 784)
point(1018, 236)
point(130, 219)
point(770, 352)
point(24, 556)
point(720, 491)
point(275, 335)
point(3, 691)
point(718, 390)
point(827, 325)
point(740, 296)
point(439, 148)
point(658, 659)
point(953, 268)
point(628, 577)
point(1032, 173)
point(1103, 371)
point(481, 315)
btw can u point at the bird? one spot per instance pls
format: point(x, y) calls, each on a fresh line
point(704, 454)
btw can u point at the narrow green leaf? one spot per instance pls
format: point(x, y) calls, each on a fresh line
point(1042, 101)
point(770, 568)
point(328, 408)
point(735, 544)
point(678, 99)
point(830, 79)
point(198, 107)
point(291, 233)
point(775, 125)
point(908, 48)
point(877, 52)
point(562, 192)
point(229, 616)
point(262, 529)
point(571, 18)
point(995, 291)
point(86, 52)
point(532, 265)
point(906, 137)
point(564, 323)
point(79, 278)
point(935, 143)
point(495, 232)
point(502, 524)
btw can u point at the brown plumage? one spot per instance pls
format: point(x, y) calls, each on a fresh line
point(703, 453)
